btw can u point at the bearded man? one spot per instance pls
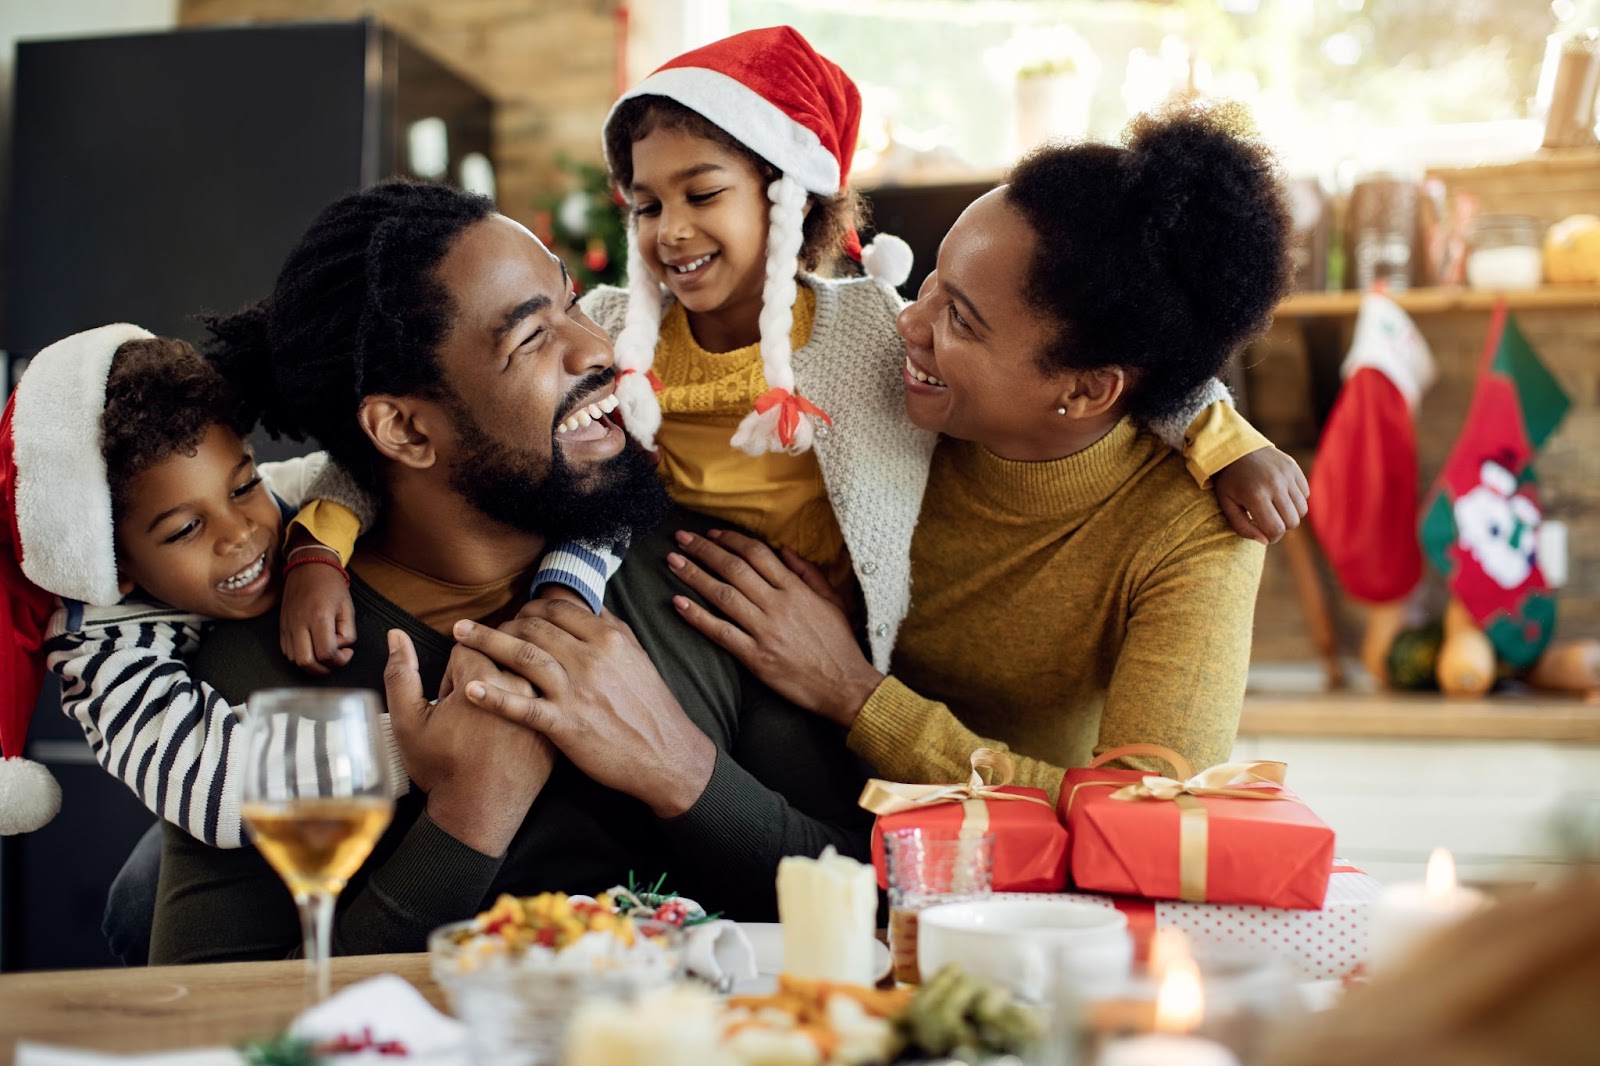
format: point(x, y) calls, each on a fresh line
point(437, 351)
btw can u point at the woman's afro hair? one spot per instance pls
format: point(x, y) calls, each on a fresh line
point(1164, 256)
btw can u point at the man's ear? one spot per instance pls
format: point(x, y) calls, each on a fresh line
point(398, 427)
point(1087, 393)
point(125, 584)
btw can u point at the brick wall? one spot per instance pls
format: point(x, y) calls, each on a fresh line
point(549, 64)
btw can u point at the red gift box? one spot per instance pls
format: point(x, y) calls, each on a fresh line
point(1232, 834)
point(1030, 844)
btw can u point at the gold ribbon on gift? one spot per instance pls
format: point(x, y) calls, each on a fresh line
point(1261, 779)
point(892, 797)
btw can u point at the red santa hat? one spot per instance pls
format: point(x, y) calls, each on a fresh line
point(772, 92)
point(56, 538)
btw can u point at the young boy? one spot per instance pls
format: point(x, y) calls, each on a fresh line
point(136, 500)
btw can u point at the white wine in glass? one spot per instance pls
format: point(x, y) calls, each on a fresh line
point(317, 797)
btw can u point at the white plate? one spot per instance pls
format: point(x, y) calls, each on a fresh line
point(766, 938)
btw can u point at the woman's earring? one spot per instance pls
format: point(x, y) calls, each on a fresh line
point(1061, 410)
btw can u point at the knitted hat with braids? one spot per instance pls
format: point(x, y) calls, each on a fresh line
point(772, 92)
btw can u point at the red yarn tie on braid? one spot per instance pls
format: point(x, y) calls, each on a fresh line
point(792, 407)
point(649, 375)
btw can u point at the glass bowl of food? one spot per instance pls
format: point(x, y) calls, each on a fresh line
point(515, 974)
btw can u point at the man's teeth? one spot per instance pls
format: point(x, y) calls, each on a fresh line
point(690, 268)
point(245, 576)
point(585, 415)
point(919, 375)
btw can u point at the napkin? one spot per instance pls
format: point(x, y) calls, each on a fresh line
point(385, 1008)
point(719, 953)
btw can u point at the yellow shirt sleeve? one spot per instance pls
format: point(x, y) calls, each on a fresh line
point(330, 524)
point(907, 737)
point(1218, 436)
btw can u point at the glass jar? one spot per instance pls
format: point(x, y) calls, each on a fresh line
point(1381, 227)
point(1507, 253)
point(1568, 83)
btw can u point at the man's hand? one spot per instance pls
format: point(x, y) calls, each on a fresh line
point(317, 621)
point(481, 772)
point(780, 619)
point(1263, 495)
point(598, 698)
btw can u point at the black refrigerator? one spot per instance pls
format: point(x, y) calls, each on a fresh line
point(155, 176)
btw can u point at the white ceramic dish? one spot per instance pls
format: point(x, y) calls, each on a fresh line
point(1024, 944)
point(766, 938)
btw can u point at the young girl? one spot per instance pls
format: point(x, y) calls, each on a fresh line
point(775, 396)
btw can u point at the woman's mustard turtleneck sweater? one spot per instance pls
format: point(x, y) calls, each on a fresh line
point(1062, 608)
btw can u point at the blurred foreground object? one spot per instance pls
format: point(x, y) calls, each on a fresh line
point(1518, 983)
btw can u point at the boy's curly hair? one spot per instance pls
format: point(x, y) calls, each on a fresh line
point(161, 398)
point(830, 217)
point(1164, 256)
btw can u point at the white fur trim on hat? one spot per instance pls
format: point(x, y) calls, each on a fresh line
point(750, 118)
point(63, 497)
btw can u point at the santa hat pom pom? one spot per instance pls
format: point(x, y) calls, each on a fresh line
point(641, 411)
point(888, 259)
point(29, 796)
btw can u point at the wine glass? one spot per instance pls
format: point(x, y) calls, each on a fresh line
point(316, 798)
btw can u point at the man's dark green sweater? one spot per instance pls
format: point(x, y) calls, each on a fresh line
point(783, 784)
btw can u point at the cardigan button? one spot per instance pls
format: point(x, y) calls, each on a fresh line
point(881, 629)
point(822, 432)
point(869, 568)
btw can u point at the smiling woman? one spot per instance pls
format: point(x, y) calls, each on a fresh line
point(1074, 589)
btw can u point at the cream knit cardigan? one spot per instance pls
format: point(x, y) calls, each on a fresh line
point(874, 461)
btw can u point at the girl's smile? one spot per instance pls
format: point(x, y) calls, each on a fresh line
point(702, 211)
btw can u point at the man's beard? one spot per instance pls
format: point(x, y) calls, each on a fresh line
point(612, 503)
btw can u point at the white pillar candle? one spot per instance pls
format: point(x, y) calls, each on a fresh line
point(1407, 914)
point(1166, 1049)
point(829, 910)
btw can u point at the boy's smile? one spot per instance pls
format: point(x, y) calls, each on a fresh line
point(201, 532)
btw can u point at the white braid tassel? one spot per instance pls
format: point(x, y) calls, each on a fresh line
point(758, 433)
point(635, 349)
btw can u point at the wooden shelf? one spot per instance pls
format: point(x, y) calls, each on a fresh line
point(1436, 301)
point(1505, 716)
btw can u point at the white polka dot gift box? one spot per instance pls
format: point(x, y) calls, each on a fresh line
point(1317, 944)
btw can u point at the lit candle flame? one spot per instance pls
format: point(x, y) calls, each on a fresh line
point(1440, 879)
point(1180, 1003)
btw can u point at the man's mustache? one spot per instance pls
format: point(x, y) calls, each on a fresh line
point(582, 391)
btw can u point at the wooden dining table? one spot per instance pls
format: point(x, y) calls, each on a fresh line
point(171, 1008)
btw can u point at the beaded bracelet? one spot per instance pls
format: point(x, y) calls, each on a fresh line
point(323, 559)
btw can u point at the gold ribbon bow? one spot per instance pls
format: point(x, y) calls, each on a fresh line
point(1261, 779)
point(891, 797)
